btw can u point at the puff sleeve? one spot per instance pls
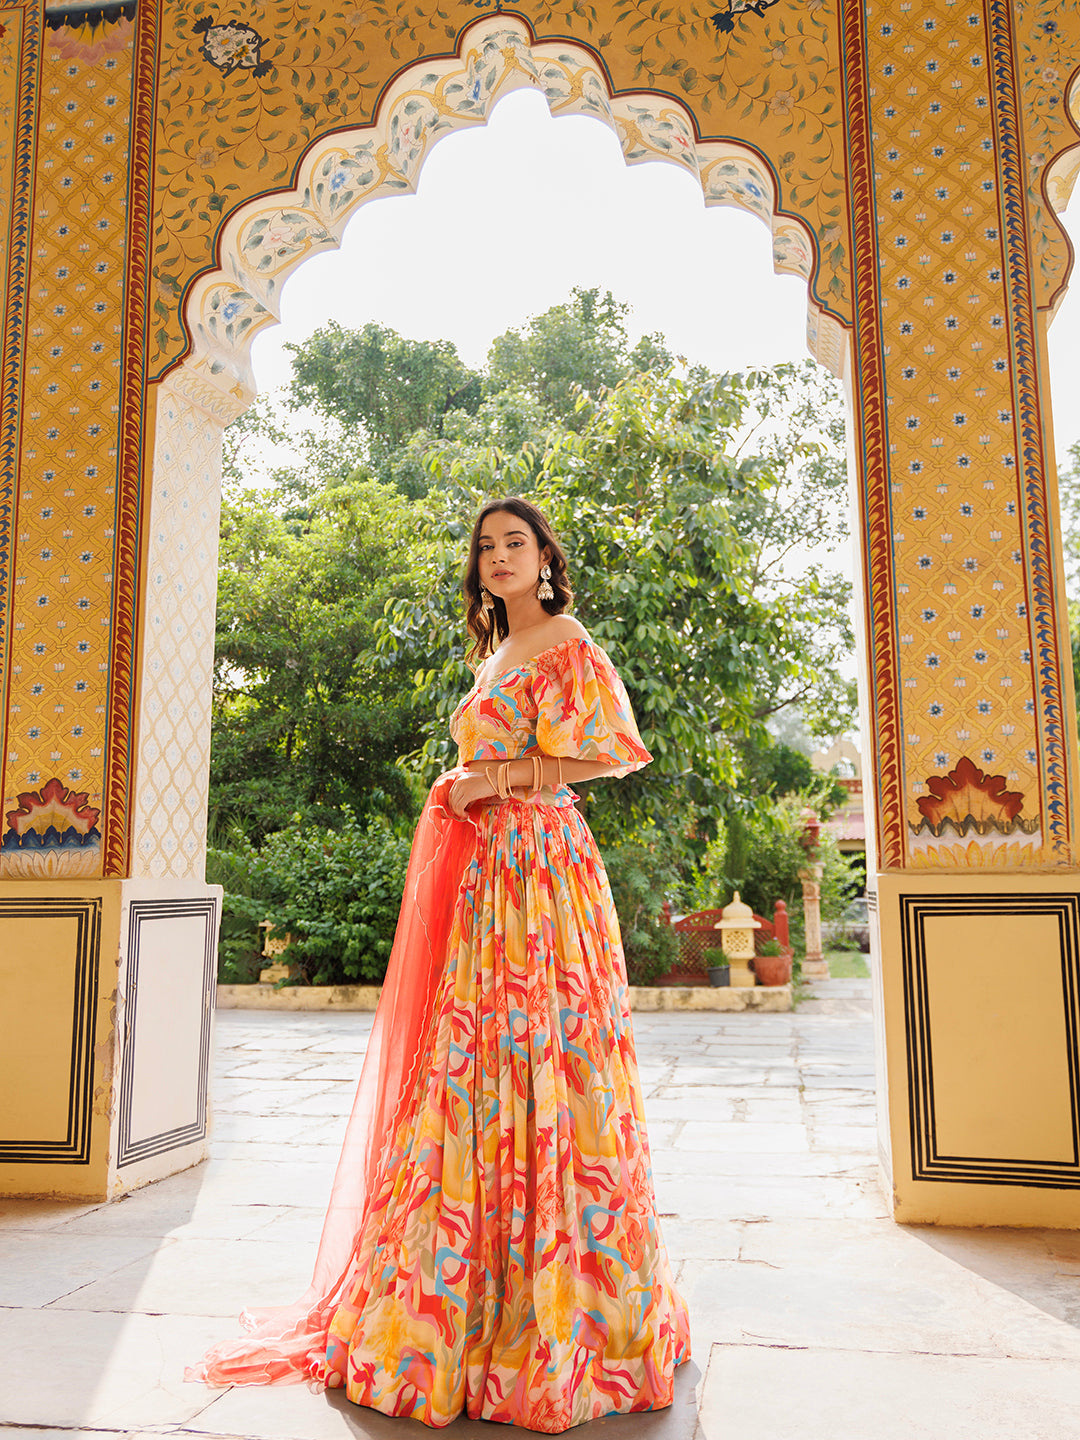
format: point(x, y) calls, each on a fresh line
point(582, 709)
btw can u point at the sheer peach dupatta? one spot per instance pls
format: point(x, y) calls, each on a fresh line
point(277, 1342)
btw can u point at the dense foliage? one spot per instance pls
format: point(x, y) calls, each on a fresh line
point(334, 891)
point(307, 716)
point(643, 870)
point(759, 852)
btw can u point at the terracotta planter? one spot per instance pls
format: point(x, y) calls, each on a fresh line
point(772, 969)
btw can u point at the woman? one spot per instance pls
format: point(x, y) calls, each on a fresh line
point(492, 1244)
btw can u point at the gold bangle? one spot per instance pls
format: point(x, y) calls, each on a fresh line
point(537, 773)
point(558, 766)
point(494, 784)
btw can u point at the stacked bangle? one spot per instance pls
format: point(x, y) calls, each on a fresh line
point(498, 784)
point(500, 779)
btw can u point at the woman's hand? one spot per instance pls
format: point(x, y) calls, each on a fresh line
point(466, 790)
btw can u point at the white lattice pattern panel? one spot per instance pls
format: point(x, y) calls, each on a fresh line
point(169, 835)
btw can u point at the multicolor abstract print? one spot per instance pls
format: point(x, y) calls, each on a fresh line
point(511, 1265)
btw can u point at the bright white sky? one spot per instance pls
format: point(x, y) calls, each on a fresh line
point(510, 216)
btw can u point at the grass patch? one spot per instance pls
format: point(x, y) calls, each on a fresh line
point(847, 965)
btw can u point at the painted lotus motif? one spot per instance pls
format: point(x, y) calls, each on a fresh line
point(93, 41)
point(967, 798)
point(51, 834)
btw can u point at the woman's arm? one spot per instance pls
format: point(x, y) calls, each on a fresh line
point(480, 781)
point(553, 769)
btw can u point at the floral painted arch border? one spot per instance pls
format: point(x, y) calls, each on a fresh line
point(1051, 189)
point(266, 238)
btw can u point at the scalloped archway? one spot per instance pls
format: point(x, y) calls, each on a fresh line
point(267, 238)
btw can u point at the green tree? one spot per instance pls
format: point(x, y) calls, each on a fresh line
point(777, 769)
point(581, 346)
point(792, 526)
point(377, 380)
point(307, 716)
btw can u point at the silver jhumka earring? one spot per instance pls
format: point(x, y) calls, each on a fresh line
point(544, 590)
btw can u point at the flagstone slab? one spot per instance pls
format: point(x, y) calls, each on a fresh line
point(746, 1137)
point(83, 1371)
point(870, 1286)
point(42, 1266)
point(198, 1276)
point(766, 1393)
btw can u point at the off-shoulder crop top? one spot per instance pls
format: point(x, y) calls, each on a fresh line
point(566, 701)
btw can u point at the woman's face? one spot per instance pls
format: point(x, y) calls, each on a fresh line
point(509, 556)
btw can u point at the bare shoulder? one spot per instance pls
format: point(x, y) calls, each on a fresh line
point(561, 628)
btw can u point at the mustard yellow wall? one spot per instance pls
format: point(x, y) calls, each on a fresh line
point(59, 1038)
point(981, 990)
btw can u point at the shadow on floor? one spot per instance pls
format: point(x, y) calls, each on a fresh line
point(1040, 1266)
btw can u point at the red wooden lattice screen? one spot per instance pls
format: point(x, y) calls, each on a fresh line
point(697, 933)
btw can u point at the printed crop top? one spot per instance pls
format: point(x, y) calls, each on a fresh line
point(567, 701)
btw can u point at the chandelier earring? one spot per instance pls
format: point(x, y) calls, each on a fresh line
point(487, 604)
point(544, 590)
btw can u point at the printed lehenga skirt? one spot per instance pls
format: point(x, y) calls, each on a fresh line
point(511, 1265)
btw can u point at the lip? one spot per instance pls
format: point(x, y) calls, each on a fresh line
point(500, 574)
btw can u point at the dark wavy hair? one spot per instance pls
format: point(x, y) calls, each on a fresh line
point(488, 627)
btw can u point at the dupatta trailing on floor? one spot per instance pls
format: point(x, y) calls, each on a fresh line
point(277, 1343)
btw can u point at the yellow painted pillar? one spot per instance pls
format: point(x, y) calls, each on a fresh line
point(971, 718)
point(108, 554)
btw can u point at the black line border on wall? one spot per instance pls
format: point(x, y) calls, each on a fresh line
point(140, 912)
point(74, 1148)
point(927, 1163)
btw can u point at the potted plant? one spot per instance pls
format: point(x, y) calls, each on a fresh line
point(771, 965)
point(719, 969)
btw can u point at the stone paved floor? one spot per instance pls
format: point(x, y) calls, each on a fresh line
point(813, 1315)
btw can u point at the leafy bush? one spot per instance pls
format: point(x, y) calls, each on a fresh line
point(759, 854)
point(335, 892)
point(240, 941)
point(764, 865)
point(643, 871)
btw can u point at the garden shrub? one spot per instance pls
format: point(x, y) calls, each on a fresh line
point(764, 866)
point(240, 939)
point(337, 892)
point(759, 854)
point(643, 871)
